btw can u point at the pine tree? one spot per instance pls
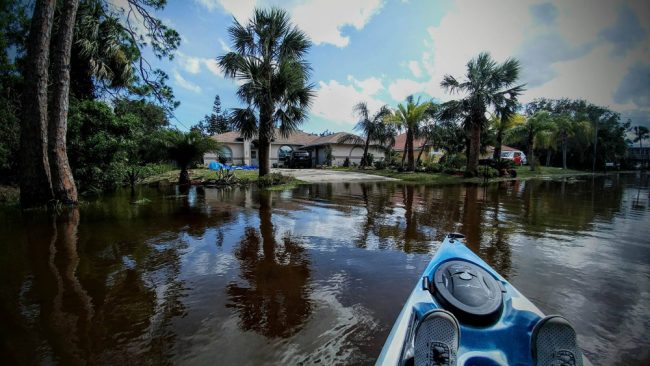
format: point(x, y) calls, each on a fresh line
point(215, 123)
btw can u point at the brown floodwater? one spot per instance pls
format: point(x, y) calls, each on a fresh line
point(316, 275)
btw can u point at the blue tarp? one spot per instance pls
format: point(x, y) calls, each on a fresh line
point(218, 166)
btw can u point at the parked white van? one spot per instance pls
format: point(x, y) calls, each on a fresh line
point(518, 157)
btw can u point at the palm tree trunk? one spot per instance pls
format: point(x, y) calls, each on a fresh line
point(184, 178)
point(548, 157)
point(62, 179)
point(564, 146)
point(406, 148)
point(531, 151)
point(474, 146)
point(411, 157)
point(35, 180)
point(264, 140)
point(421, 151)
point(364, 159)
point(497, 147)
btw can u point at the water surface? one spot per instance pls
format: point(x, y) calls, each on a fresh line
point(313, 275)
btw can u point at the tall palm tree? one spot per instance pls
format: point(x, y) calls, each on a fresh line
point(372, 128)
point(641, 133)
point(486, 84)
point(501, 122)
point(410, 116)
point(564, 128)
point(529, 133)
point(268, 60)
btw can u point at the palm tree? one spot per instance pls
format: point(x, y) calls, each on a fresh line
point(486, 84)
point(501, 122)
point(430, 132)
point(410, 116)
point(565, 128)
point(268, 60)
point(641, 133)
point(372, 127)
point(186, 148)
point(529, 133)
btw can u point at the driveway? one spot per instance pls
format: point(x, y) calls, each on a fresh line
point(331, 176)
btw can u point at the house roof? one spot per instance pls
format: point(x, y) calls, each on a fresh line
point(400, 140)
point(296, 138)
point(503, 148)
point(331, 139)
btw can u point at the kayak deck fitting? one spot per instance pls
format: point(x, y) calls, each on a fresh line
point(496, 321)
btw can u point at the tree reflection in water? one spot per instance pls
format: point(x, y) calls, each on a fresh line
point(126, 315)
point(66, 311)
point(275, 300)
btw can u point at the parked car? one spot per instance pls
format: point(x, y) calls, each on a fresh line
point(518, 157)
point(300, 159)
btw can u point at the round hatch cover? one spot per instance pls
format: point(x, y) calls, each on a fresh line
point(468, 291)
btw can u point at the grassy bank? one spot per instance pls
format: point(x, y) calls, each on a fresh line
point(199, 175)
point(442, 178)
point(203, 175)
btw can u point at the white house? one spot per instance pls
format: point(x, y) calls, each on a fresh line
point(237, 150)
point(340, 150)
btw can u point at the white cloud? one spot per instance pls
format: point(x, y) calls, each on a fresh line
point(577, 62)
point(213, 67)
point(414, 66)
point(185, 84)
point(369, 86)
point(335, 101)
point(224, 46)
point(190, 64)
point(402, 88)
point(322, 20)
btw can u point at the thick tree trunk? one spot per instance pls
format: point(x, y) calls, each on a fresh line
point(411, 157)
point(421, 151)
point(474, 147)
point(497, 147)
point(265, 133)
point(406, 148)
point(364, 158)
point(184, 178)
point(63, 184)
point(35, 180)
point(263, 145)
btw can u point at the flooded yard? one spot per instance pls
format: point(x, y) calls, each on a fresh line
point(313, 275)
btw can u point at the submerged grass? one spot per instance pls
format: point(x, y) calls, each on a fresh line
point(523, 173)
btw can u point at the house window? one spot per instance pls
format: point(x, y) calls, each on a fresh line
point(284, 151)
point(253, 154)
point(225, 155)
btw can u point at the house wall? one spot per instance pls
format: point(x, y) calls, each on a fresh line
point(429, 155)
point(275, 150)
point(340, 152)
point(237, 149)
point(241, 153)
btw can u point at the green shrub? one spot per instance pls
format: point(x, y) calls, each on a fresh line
point(273, 179)
point(455, 161)
point(431, 167)
point(380, 164)
point(488, 173)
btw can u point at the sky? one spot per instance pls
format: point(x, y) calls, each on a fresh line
point(380, 51)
